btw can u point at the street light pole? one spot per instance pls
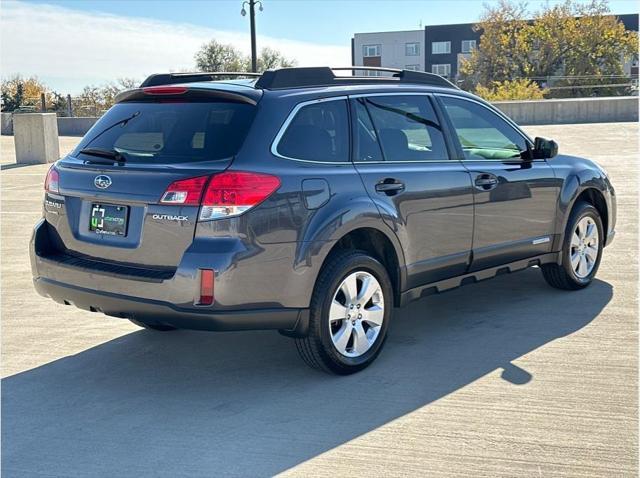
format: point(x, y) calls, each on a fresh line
point(254, 55)
point(252, 20)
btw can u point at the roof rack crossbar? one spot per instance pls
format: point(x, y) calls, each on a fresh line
point(324, 76)
point(173, 78)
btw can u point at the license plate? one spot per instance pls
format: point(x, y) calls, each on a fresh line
point(108, 219)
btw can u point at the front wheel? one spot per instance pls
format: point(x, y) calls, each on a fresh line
point(581, 251)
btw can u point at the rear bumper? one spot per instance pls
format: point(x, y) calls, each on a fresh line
point(158, 312)
point(246, 296)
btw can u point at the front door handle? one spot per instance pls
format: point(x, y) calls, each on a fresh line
point(390, 187)
point(486, 182)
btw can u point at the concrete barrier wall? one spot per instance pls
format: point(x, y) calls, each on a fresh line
point(66, 126)
point(574, 110)
point(75, 126)
point(7, 123)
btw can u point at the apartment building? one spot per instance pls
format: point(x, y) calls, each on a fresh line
point(447, 45)
point(404, 50)
point(437, 48)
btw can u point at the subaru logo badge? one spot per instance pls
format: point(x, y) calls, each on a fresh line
point(102, 181)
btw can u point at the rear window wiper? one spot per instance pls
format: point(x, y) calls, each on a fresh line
point(113, 155)
point(122, 122)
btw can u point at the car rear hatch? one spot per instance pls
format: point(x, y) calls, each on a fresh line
point(126, 194)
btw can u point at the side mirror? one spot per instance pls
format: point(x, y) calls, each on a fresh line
point(544, 148)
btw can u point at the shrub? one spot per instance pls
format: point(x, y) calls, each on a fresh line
point(521, 89)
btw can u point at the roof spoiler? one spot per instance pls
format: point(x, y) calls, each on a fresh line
point(154, 93)
point(158, 79)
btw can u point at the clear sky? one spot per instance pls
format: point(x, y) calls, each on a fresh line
point(69, 43)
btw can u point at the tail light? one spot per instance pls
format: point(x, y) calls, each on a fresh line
point(165, 90)
point(226, 194)
point(51, 183)
point(186, 191)
point(232, 193)
point(207, 277)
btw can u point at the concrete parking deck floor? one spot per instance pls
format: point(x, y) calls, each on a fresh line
point(502, 378)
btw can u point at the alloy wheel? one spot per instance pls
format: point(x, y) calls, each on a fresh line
point(356, 314)
point(584, 247)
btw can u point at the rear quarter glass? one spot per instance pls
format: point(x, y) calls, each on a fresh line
point(169, 132)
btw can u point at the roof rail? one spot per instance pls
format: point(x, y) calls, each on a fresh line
point(301, 77)
point(324, 76)
point(173, 78)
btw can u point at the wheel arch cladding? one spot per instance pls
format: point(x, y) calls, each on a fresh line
point(595, 197)
point(583, 186)
point(379, 246)
point(334, 226)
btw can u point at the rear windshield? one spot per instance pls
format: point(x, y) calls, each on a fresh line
point(170, 132)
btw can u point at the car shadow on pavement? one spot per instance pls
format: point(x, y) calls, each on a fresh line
point(205, 404)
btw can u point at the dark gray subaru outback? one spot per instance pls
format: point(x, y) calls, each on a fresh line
point(309, 203)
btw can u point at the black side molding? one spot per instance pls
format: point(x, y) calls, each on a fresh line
point(455, 282)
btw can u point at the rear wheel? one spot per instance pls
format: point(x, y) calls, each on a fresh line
point(581, 251)
point(350, 313)
point(157, 327)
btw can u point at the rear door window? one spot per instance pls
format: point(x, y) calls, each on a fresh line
point(172, 132)
point(406, 127)
point(318, 132)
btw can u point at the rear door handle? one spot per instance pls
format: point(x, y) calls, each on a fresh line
point(486, 182)
point(390, 187)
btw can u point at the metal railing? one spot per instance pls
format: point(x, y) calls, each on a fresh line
point(63, 106)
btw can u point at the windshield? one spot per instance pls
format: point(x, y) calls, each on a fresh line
point(170, 132)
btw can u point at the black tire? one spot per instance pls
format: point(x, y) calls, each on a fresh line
point(317, 349)
point(156, 327)
point(563, 276)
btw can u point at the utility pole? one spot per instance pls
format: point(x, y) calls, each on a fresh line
point(69, 107)
point(252, 20)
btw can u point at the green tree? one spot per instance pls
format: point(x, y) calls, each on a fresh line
point(501, 54)
point(580, 42)
point(57, 104)
point(89, 102)
point(109, 91)
point(521, 89)
point(270, 59)
point(96, 99)
point(12, 98)
point(127, 83)
point(215, 56)
point(20, 92)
